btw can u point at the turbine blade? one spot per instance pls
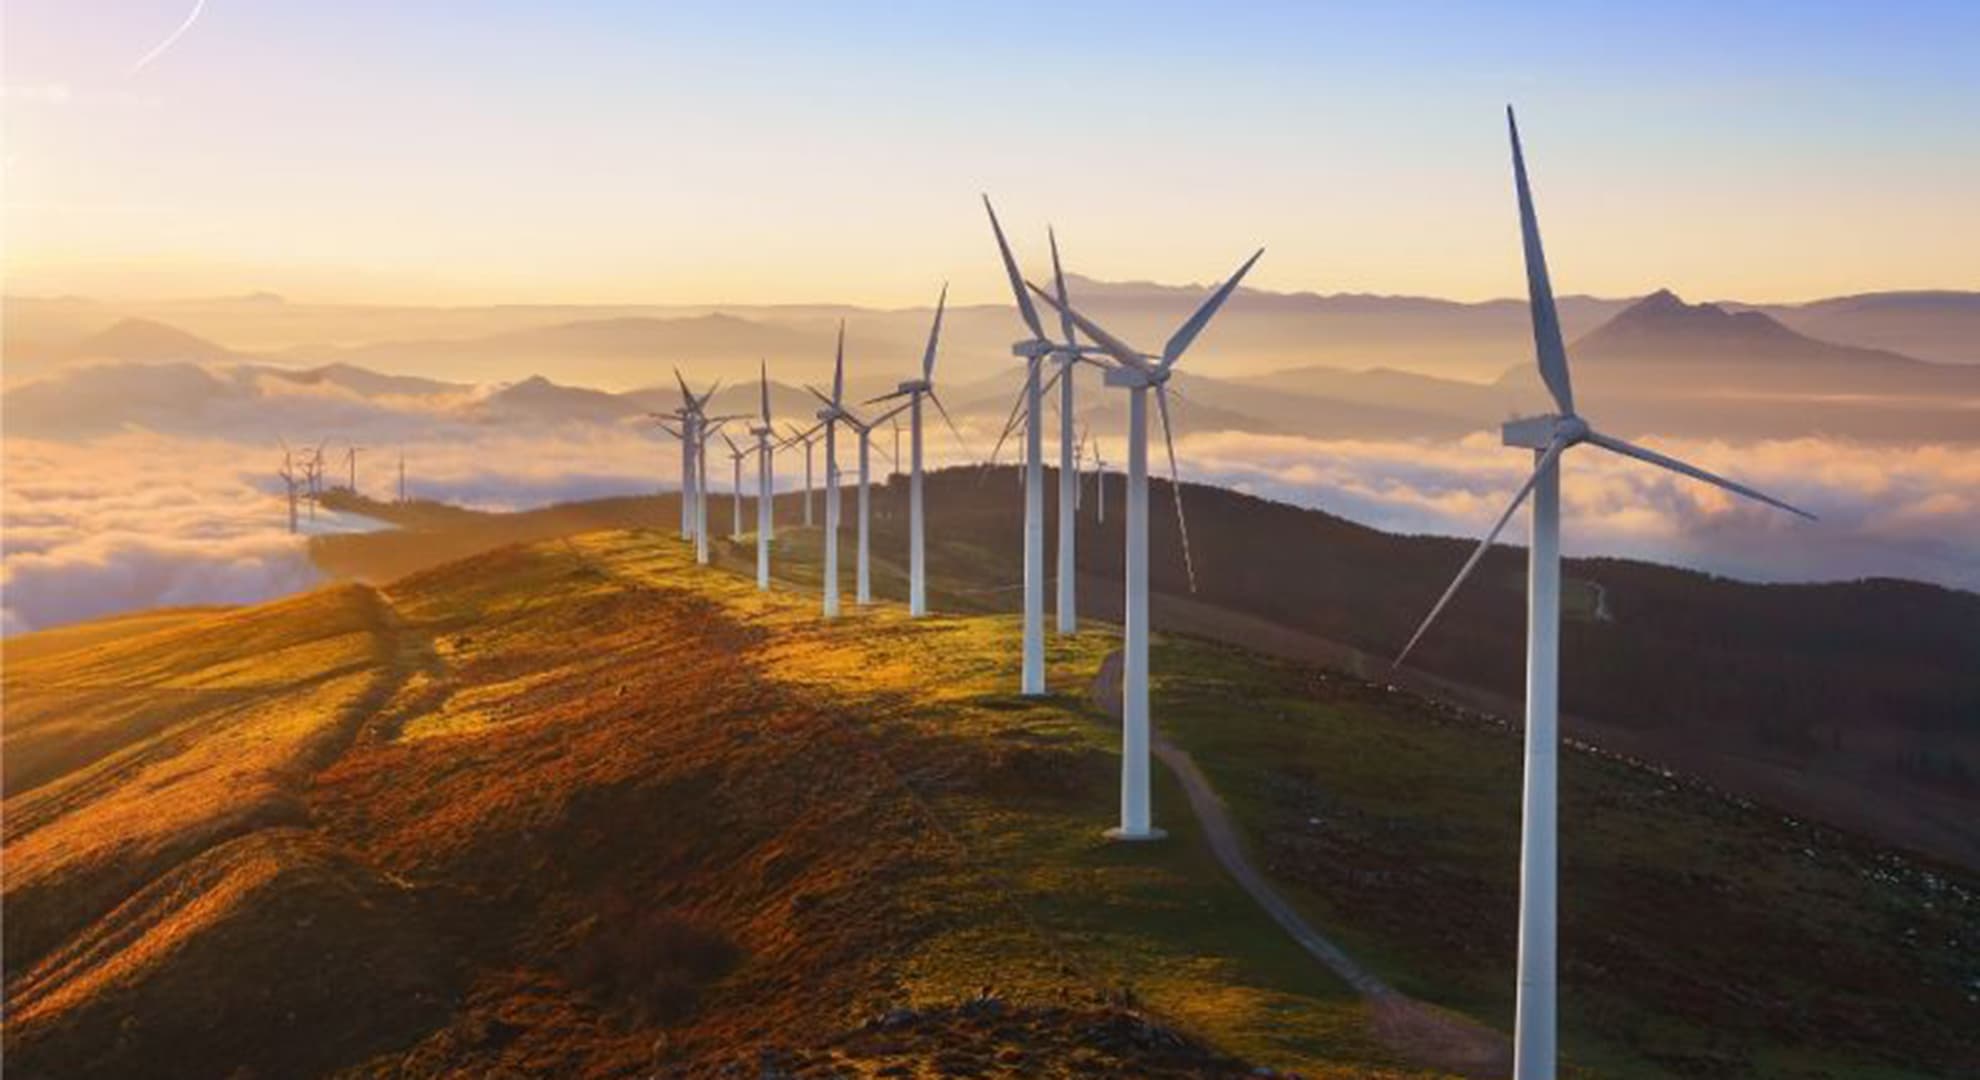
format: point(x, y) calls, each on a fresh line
point(1547, 345)
point(819, 394)
point(1175, 483)
point(687, 396)
point(732, 444)
point(953, 429)
point(885, 397)
point(1010, 425)
point(839, 368)
point(1186, 334)
point(1059, 283)
point(1552, 455)
point(1627, 449)
point(765, 375)
point(1025, 308)
point(1121, 351)
point(934, 335)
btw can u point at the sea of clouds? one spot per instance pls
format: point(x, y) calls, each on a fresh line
point(181, 504)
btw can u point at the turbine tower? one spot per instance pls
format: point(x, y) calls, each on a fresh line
point(914, 390)
point(804, 436)
point(705, 428)
point(1099, 482)
point(1548, 437)
point(291, 481)
point(828, 418)
point(692, 416)
point(1138, 373)
point(736, 456)
point(350, 460)
point(864, 574)
point(765, 482)
point(402, 475)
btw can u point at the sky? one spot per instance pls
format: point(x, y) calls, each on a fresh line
point(501, 151)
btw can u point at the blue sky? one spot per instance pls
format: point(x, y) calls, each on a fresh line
point(621, 151)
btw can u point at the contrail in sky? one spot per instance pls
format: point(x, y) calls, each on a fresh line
point(159, 49)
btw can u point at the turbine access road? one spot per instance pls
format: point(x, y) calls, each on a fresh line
point(1420, 1032)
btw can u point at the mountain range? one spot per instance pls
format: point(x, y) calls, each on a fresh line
point(1656, 366)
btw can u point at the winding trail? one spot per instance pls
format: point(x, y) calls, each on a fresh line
point(1420, 1032)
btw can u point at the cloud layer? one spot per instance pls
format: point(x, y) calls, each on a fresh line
point(136, 518)
point(1885, 511)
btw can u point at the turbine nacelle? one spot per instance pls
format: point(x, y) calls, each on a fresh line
point(1541, 432)
point(1129, 378)
point(914, 386)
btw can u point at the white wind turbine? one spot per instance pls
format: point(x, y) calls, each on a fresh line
point(350, 458)
point(1549, 437)
point(736, 456)
point(291, 481)
point(828, 419)
point(765, 483)
point(864, 578)
point(1099, 482)
point(805, 436)
point(914, 390)
point(1138, 373)
point(1036, 350)
point(690, 416)
point(705, 428)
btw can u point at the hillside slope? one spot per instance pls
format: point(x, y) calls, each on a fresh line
point(582, 808)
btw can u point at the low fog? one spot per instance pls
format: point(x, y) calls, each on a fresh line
point(179, 503)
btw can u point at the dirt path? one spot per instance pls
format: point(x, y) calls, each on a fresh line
point(1420, 1032)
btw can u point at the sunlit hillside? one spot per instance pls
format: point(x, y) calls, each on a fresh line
point(582, 807)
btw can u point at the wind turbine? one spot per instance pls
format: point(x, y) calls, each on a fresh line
point(1138, 373)
point(914, 390)
point(705, 428)
point(1079, 471)
point(1549, 437)
point(350, 459)
point(691, 415)
point(291, 481)
point(765, 482)
point(1100, 482)
point(402, 475)
point(313, 472)
point(828, 418)
point(1036, 350)
point(805, 436)
point(835, 410)
point(736, 456)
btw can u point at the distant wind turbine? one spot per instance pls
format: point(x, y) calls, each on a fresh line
point(1549, 437)
point(1099, 482)
point(736, 456)
point(1138, 373)
point(914, 390)
point(804, 436)
point(765, 481)
point(835, 411)
point(828, 419)
point(402, 475)
point(350, 459)
point(291, 481)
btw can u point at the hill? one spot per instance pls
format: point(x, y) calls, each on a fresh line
point(581, 807)
point(1852, 703)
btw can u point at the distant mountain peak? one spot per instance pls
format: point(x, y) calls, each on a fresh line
point(147, 340)
point(1665, 316)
